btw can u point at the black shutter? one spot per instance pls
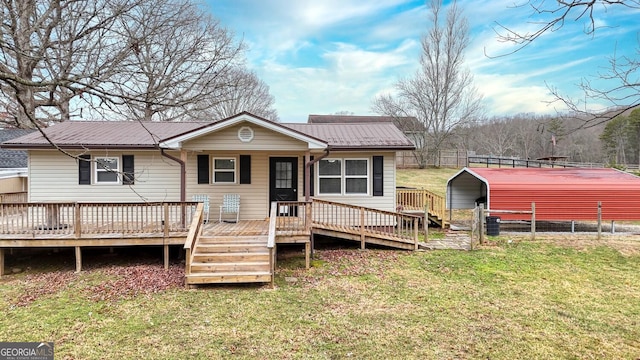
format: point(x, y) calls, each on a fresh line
point(128, 171)
point(378, 176)
point(203, 169)
point(84, 169)
point(245, 169)
point(312, 180)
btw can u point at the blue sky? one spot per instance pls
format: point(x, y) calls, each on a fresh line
point(326, 56)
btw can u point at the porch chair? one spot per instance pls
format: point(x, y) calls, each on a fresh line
point(230, 205)
point(204, 199)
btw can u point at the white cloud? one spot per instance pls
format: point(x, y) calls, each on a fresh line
point(337, 55)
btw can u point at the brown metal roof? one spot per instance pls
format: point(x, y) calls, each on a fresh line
point(103, 134)
point(146, 135)
point(382, 135)
point(404, 123)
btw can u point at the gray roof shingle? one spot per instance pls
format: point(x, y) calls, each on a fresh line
point(13, 158)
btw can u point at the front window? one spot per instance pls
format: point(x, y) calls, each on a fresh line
point(343, 177)
point(107, 169)
point(356, 176)
point(330, 176)
point(224, 170)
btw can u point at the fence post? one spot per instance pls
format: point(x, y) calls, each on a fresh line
point(599, 219)
point(533, 221)
point(481, 225)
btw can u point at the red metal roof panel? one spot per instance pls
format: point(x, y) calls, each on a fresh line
point(563, 194)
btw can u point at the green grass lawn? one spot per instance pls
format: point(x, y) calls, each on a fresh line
point(554, 298)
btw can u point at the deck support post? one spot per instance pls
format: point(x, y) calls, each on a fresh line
point(307, 252)
point(362, 237)
point(613, 226)
point(1, 262)
point(78, 259)
point(166, 257)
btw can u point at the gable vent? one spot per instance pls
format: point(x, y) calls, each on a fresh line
point(245, 134)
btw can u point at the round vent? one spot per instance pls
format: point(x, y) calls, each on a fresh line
point(245, 134)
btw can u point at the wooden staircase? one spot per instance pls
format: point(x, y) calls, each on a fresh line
point(416, 201)
point(230, 259)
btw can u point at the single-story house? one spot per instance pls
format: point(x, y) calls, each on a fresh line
point(261, 160)
point(563, 194)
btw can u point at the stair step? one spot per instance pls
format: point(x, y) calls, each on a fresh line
point(230, 257)
point(223, 248)
point(245, 266)
point(229, 277)
point(261, 239)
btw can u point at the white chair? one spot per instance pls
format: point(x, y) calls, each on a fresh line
point(230, 205)
point(204, 199)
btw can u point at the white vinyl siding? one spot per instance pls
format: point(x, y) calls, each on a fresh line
point(53, 176)
point(263, 140)
point(254, 197)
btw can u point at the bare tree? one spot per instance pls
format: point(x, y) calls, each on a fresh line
point(244, 92)
point(140, 59)
point(441, 94)
point(623, 72)
point(52, 51)
point(180, 64)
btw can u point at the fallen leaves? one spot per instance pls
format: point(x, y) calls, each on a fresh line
point(120, 282)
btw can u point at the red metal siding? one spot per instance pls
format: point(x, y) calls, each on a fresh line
point(563, 194)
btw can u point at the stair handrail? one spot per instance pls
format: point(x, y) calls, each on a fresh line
point(195, 230)
point(271, 240)
point(405, 225)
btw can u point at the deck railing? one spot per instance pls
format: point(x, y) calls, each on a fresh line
point(294, 217)
point(95, 218)
point(365, 222)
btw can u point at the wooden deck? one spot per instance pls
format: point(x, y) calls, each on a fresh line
point(217, 252)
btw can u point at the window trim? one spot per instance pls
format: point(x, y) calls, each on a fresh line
point(98, 169)
point(343, 177)
point(234, 171)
